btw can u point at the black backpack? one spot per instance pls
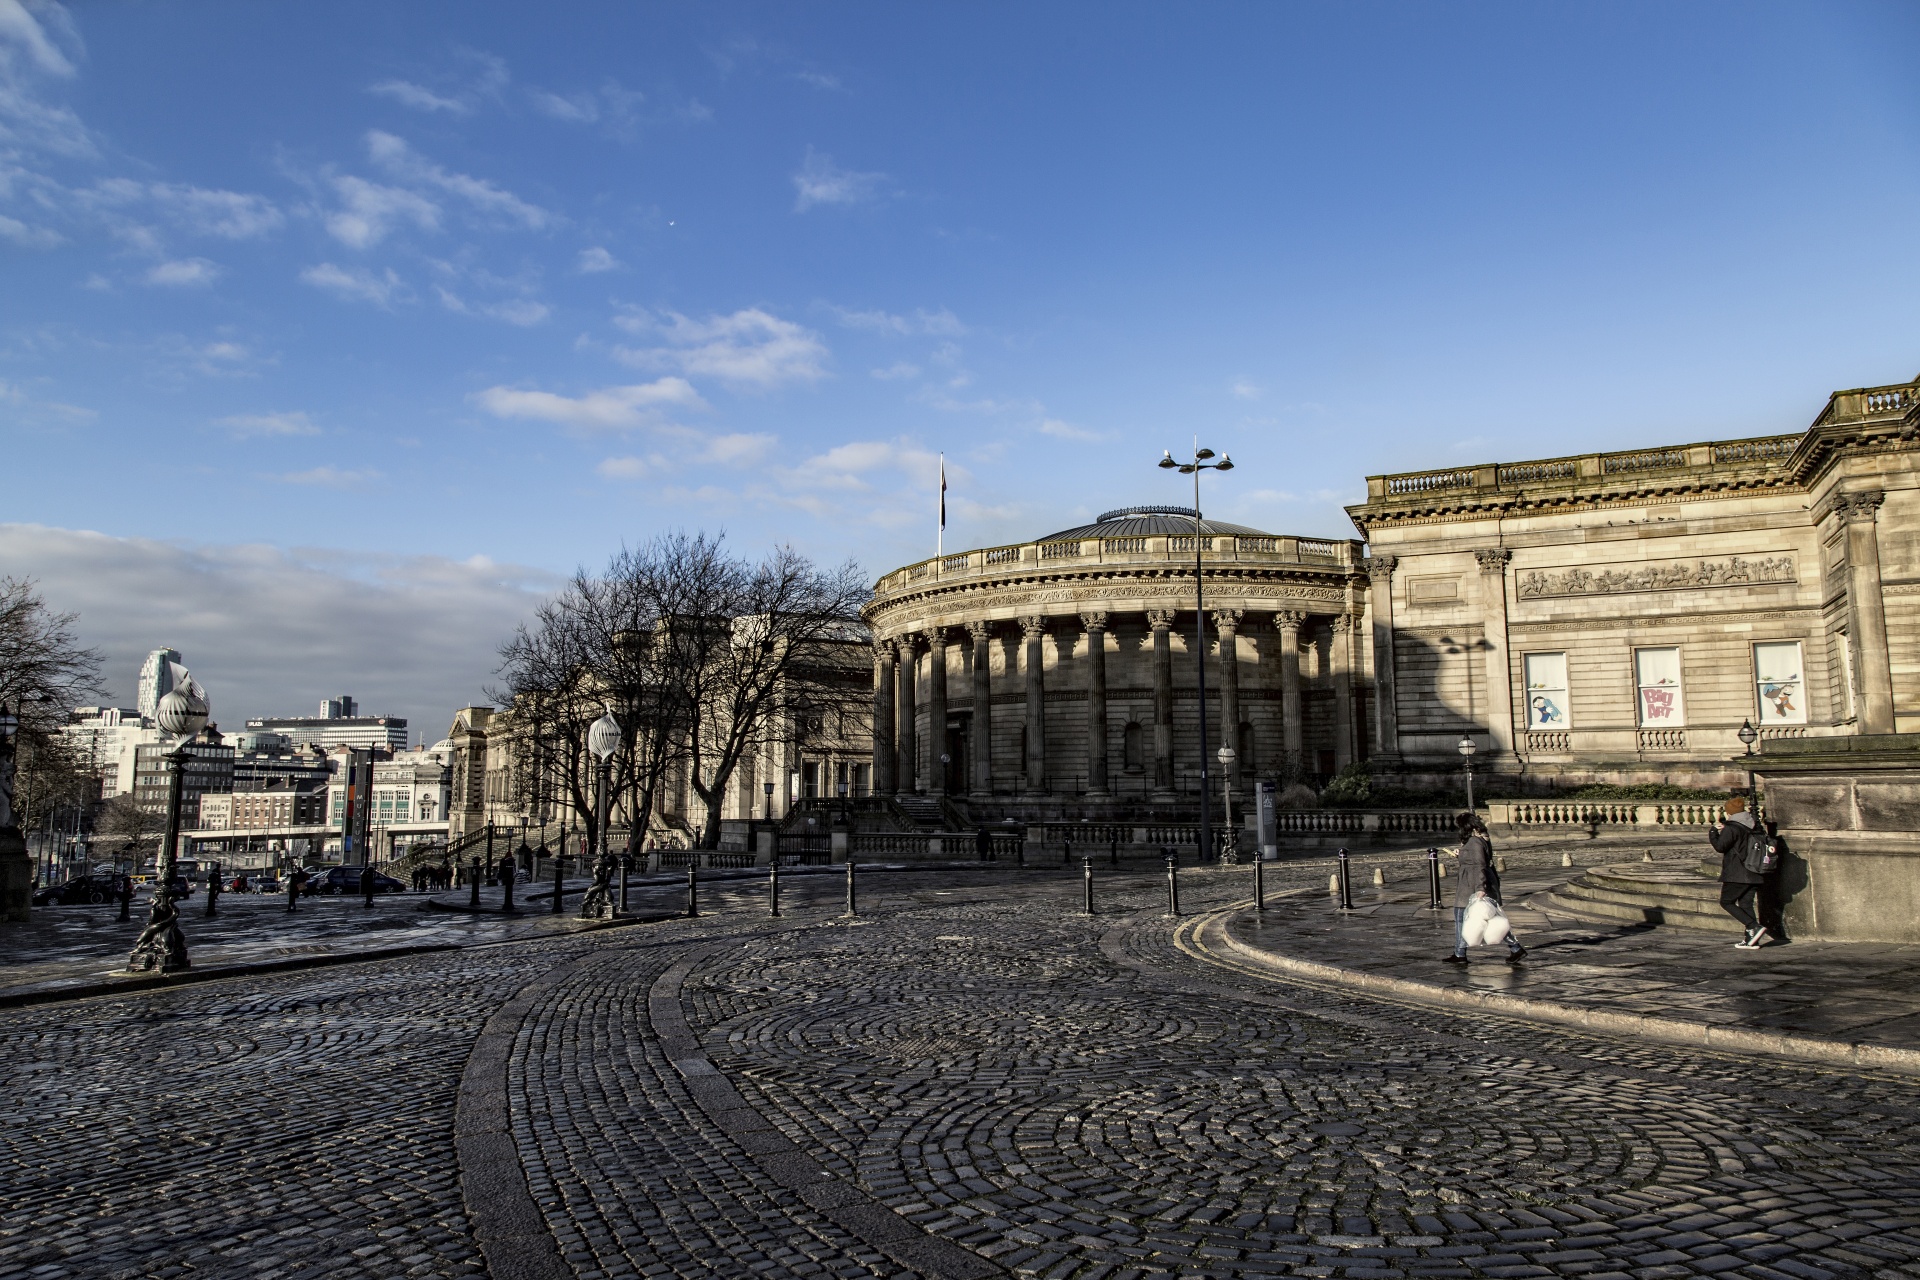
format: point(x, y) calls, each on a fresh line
point(1758, 853)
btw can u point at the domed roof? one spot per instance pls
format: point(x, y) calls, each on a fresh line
point(1140, 522)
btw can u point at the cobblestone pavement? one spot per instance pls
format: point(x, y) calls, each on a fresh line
point(969, 1079)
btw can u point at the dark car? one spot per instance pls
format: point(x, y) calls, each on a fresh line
point(337, 880)
point(80, 891)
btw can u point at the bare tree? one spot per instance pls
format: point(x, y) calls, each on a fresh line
point(44, 672)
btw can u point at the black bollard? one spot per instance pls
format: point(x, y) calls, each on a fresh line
point(509, 872)
point(852, 907)
point(473, 878)
point(1173, 884)
point(1086, 884)
point(626, 860)
point(1066, 851)
point(773, 886)
point(1259, 883)
point(558, 882)
point(693, 886)
point(366, 885)
point(1020, 848)
point(1113, 851)
point(213, 890)
point(126, 900)
point(1346, 883)
point(1433, 879)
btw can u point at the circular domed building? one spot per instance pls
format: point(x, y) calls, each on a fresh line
point(1057, 678)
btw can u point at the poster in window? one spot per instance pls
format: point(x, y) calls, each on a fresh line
point(1546, 675)
point(1780, 682)
point(1662, 703)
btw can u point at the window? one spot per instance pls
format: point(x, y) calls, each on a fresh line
point(1780, 682)
point(810, 773)
point(1547, 707)
point(1657, 671)
point(863, 779)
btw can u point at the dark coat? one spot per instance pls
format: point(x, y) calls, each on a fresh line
point(1730, 842)
point(1477, 873)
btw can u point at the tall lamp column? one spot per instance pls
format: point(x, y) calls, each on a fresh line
point(1194, 468)
point(181, 714)
point(16, 865)
point(1749, 735)
point(1466, 749)
point(1229, 842)
point(603, 740)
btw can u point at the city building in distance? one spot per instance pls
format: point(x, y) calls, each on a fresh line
point(337, 725)
point(156, 679)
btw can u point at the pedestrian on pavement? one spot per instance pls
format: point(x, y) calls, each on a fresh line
point(296, 885)
point(1477, 877)
point(1770, 903)
point(983, 843)
point(1743, 847)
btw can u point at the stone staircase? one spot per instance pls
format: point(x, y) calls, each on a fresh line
point(925, 812)
point(1675, 893)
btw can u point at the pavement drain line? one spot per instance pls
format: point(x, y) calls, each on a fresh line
point(1207, 938)
point(835, 1198)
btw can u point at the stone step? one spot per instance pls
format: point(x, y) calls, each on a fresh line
point(1643, 893)
point(1604, 911)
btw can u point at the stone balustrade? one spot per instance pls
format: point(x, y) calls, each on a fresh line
point(1606, 813)
point(1765, 453)
point(995, 562)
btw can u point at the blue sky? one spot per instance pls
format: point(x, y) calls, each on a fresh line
point(388, 313)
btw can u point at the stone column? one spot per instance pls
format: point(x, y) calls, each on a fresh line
point(1386, 710)
point(936, 710)
point(1493, 605)
point(883, 693)
point(1290, 621)
point(1161, 620)
point(1096, 625)
point(1033, 628)
point(1341, 657)
point(981, 737)
point(1226, 624)
point(906, 751)
point(1867, 614)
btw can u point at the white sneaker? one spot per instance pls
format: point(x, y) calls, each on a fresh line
point(1746, 942)
point(1760, 938)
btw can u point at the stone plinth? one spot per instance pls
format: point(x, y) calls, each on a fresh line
point(1849, 812)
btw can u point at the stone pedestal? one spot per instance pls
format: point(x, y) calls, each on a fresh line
point(16, 875)
point(1848, 811)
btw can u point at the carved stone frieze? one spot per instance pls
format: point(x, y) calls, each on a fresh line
point(1731, 571)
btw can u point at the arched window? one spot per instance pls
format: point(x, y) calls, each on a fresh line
point(1134, 753)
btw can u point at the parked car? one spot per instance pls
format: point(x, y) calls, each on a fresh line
point(80, 891)
point(338, 880)
point(267, 884)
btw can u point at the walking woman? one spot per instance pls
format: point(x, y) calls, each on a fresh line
point(1477, 875)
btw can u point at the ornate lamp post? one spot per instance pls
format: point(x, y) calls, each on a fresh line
point(603, 740)
point(16, 867)
point(1229, 843)
point(182, 714)
point(1466, 750)
point(1194, 468)
point(1748, 736)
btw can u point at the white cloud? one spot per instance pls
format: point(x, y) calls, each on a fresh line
point(28, 237)
point(942, 323)
point(272, 631)
point(628, 468)
point(595, 260)
point(1066, 430)
point(357, 284)
point(230, 215)
point(820, 80)
point(369, 211)
point(608, 409)
point(1246, 390)
point(579, 109)
point(747, 348)
point(520, 311)
point(394, 155)
point(420, 98)
point(248, 425)
point(898, 369)
point(331, 477)
point(820, 181)
point(184, 271)
point(25, 409)
point(28, 54)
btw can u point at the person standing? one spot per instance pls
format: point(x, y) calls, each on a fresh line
point(1477, 876)
point(1735, 840)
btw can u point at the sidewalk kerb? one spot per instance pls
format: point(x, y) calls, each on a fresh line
point(1205, 935)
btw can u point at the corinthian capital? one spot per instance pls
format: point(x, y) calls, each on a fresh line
point(1382, 566)
point(1290, 620)
point(1860, 506)
point(1342, 623)
point(1493, 559)
point(1225, 620)
point(1033, 626)
point(904, 643)
point(1160, 619)
point(1094, 620)
point(979, 629)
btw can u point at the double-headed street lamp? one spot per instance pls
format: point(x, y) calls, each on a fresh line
point(1194, 468)
point(181, 714)
point(1229, 846)
point(603, 740)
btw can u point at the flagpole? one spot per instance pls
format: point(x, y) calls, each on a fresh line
point(940, 538)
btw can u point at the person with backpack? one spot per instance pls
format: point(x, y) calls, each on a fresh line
point(1746, 856)
point(1476, 878)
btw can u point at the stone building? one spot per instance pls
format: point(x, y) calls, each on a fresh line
point(1603, 617)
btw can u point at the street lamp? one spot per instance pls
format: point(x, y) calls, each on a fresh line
point(603, 740)
point(768, 788)
point(16, 867)
point(1229, 846)
point(182, 714)
point(1194, 468)
point(1748, 736)
point(1466, 750)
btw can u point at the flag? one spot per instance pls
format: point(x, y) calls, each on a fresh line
point(943, 493)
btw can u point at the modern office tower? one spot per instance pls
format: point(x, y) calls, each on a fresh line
point(156, 679)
